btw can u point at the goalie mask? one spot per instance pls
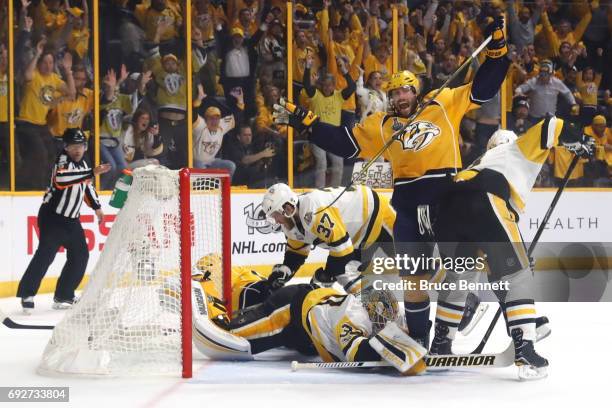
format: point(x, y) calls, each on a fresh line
point(381, 305)
point(274, 200)
point(500, 137)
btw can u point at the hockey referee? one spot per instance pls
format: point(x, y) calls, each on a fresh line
point(59, 225)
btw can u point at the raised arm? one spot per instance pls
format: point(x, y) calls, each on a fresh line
point(491, 74)
point(29, 71)
point(310, 90)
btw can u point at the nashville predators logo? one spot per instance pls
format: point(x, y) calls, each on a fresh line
point(173, 83)
point(418, 135)
point(47, 95)
point(74, 116)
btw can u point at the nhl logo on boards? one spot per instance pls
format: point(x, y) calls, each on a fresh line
point(418, 135)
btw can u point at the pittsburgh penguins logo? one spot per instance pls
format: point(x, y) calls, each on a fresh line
point(47, 95)
point(173, 83)
point(418, 135)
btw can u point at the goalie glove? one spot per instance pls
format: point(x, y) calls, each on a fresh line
point(396, 347)
point(286, 113)
point(497, 47)
point(279, 276)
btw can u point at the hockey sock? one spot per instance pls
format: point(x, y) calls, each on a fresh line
point(449, 314)
point(417, 318)
point(521, 314)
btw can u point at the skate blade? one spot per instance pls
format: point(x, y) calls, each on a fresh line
point(542, 332)
point(531, 373)
point(478, 315)
point(27, 311)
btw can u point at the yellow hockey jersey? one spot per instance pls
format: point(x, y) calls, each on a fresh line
point(355, 219)
point(428, 147)
point(172, 87)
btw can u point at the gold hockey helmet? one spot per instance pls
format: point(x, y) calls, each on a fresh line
point(403, 79)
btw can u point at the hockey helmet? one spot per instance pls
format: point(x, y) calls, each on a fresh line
point(275, 198)
point(74, 136)
point(500, 137)
point(381, 305)
point(403, 79)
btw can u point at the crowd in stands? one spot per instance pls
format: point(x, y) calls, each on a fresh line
point(341, 59)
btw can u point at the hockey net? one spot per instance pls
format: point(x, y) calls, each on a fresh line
point(132, 318)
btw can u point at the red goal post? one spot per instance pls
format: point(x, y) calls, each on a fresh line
point(188, 186)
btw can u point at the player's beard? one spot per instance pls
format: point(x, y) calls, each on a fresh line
point(405, 108)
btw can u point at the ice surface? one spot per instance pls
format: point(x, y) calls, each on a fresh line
point(575, 380)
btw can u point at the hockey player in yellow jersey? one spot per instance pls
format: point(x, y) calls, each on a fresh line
point(348, 228)
point(424, 158)
point(335, 325)
point(482, 210)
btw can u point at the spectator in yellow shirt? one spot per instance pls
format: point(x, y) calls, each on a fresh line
point(587, 83)
point(264, 120)
point(379, 61)
point(78, 22)
point(42, 90)
point(50, 18)
point(246, 22)
point(301, 50)
point(326, 102)
point(70, 112)
point(601, 166)
point(167, 11)
point(563, 32)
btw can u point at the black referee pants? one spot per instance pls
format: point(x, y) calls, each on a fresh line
point(56, 231)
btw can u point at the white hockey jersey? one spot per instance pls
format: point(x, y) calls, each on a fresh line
point(520, 161)
point(357, 217)
point(206, 143)
point(337, 324)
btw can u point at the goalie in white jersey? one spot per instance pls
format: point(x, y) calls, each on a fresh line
point(352, 224)
point(481, 214)
point(336, 326)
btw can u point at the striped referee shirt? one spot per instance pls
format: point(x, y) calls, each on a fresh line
point(70, 185)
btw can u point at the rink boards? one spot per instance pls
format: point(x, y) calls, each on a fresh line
point(582, 215)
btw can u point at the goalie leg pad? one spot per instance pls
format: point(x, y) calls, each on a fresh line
point(399, 349)
point(210, 339)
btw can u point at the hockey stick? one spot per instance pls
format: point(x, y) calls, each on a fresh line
point(11, 324)
point(396, 136)
point(534, 242)
point(503, 359)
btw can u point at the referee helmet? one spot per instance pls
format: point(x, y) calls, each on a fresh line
point(74, 136)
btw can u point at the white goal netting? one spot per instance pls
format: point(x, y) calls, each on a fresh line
point(128, 320)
